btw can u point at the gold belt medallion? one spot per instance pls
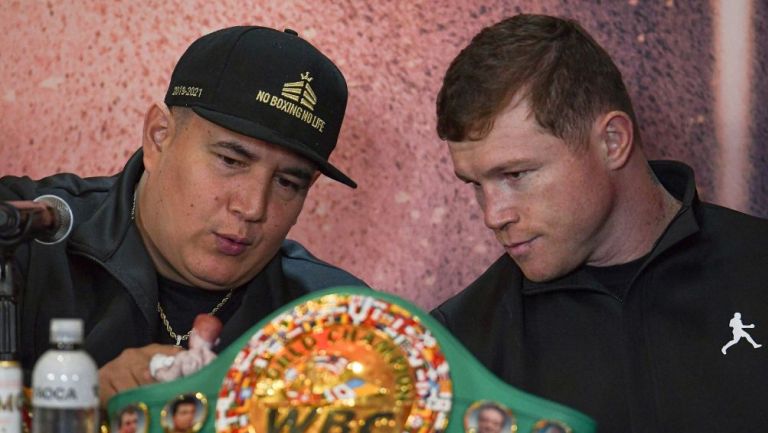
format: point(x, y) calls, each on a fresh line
point(341, 363)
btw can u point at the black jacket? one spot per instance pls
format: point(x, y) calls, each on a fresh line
point(103, 274)
point(650, 361)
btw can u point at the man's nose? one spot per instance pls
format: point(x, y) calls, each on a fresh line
point(498, 209)
point(250, 203)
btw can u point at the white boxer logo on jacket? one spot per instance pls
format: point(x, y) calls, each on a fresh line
point(739, 332)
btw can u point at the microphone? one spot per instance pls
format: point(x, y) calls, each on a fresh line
point(48, 219)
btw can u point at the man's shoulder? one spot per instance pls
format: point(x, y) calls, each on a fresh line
point(311, 273)
point(482, 296)
point(723, 224)
point(65, 185)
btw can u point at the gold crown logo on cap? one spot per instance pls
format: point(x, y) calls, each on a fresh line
point(301, 91)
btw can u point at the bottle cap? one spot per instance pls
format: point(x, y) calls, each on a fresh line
point(66, 331)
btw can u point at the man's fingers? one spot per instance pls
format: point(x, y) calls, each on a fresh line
point(141, 374)
point(106, 391)
point(129, 370)
point(107, 387)
point(113, 380)
point(161, 348)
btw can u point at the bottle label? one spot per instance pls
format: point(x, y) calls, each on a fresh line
point(11, 400)
point(65, 379)
point(66, 396)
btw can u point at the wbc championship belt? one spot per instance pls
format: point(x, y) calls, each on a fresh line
point(344, 360)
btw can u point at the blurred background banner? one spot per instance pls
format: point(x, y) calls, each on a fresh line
point(77, 76)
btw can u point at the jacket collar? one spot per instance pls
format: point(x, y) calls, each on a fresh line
point(110, 238)
point(678, 179)
point(102, 234)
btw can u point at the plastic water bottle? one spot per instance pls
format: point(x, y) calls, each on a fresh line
point(65, 387)
point(10, 397)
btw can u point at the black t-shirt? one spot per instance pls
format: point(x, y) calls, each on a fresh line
point(181, 304)
point(617, 278)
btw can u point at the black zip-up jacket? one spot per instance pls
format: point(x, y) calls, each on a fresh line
point(103, 274)
point(652, 361)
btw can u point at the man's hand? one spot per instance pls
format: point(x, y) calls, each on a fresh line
point(129, 370)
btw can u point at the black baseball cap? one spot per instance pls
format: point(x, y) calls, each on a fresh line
point(265, 84)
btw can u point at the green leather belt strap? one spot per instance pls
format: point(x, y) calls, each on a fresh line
point(347, 360)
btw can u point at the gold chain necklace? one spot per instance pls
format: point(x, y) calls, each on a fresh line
point(133, 208)
point(174, 335)
point(185, 337)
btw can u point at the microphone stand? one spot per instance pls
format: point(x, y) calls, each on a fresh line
point(9, 337)
point(8, 317)
point(13, 232)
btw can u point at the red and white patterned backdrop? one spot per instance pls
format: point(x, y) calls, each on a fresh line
point(76, 78)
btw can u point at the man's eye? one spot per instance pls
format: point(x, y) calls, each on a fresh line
point(285, 182)
point(516, 174)
point(288, 189)
point(230, 161)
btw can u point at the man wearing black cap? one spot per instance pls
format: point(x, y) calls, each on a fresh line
point(197, 220)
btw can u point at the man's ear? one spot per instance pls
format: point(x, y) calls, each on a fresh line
point(159, 129)
point(616, 138)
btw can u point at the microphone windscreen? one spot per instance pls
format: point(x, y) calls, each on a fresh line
point(63, 218)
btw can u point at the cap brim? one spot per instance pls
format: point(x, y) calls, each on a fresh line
point(261, 132)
